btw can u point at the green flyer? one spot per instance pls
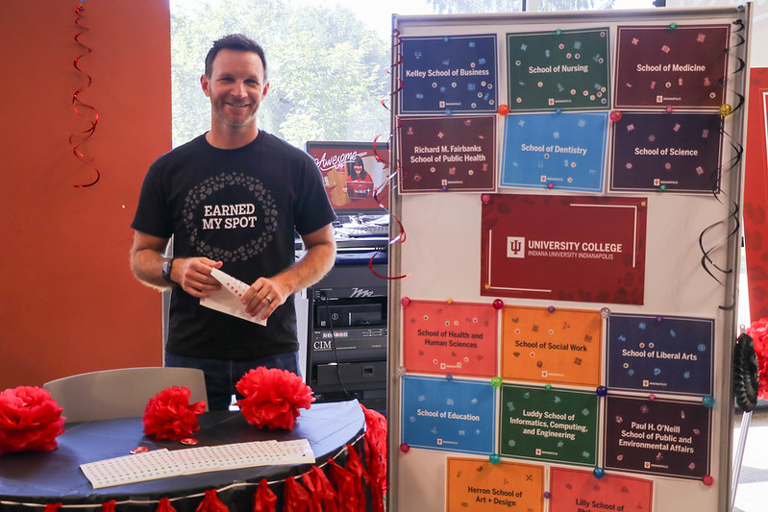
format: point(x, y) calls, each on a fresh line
point(564, 69)
point(549, 424)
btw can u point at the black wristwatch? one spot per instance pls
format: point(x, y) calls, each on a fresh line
point(167, 266)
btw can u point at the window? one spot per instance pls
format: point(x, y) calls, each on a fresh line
point(327, 59)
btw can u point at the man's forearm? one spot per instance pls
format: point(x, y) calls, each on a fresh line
point(312, 267)
point(147, 267)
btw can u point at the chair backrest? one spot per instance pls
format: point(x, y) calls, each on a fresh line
point(121, 393)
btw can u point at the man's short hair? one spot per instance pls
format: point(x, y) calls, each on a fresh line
point(237, 42)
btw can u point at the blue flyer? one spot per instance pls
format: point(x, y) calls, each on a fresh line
point(564, 151)
point(448, 414)
point(448, 74)
point(660, 354)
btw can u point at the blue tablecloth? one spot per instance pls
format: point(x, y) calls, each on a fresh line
point(55, 477)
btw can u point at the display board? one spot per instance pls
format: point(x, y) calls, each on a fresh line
point(563, 307)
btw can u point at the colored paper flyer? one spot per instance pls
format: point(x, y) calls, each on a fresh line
point(448, 414)
point(555, 425)
point(685, 66)
point(448, 154)
point(475, 484)
point(566, 70)
point(570, 248)
point(450, 338)
point(448, 74)
point(660, 151)
point(562, 151)
point(660, 354)
point(659, 437)
point(557, 346)
point(577, 490)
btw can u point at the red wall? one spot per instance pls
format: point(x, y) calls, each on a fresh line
point(69, 301)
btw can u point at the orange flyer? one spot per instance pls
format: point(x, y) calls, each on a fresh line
point(476, 484)
point(548, 345)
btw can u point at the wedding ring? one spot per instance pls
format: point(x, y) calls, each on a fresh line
point(268, 298)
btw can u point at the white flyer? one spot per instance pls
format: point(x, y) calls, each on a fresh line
point(227, 300)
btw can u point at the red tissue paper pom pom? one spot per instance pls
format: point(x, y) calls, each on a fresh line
point(273, 397)
point(169, 414)
point(758, 331)
point(30, 420)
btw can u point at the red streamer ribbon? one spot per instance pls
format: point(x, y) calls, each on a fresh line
point(212, 503)
point(295, 498)
point(108, 506)
point(355, 466)
point(264, 500)
point(321, 489)
point(376, 451)
point(345, 486)
point(165, 506)
point(401, 236)
point(76, 101)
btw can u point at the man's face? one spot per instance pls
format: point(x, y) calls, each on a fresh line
point(236, 87)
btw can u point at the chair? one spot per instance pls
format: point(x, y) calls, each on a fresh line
point(121, 393)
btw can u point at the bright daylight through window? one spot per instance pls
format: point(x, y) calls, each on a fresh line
point(327, 59)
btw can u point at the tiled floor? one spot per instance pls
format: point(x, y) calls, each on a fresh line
point(752, 491)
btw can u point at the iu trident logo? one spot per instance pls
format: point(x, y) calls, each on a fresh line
point(515, 247)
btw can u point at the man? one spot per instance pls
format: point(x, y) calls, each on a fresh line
point(231, 199)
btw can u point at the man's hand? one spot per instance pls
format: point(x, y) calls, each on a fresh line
point(194, 275)
point(264, 296)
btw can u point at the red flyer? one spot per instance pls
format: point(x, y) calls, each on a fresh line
point(567, 248)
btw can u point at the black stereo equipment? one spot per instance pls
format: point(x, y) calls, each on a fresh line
point(347, 333)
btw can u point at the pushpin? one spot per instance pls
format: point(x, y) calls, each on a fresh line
point(486, 198)
point(449, 112)
point(673, 25)
point(559, 32)
point(444, 188)
point(550, 185)
point(725, 109)
point(669, 109)
point(707, 480)
point(401, 371)
point(547, 495)
point(547, 386)
point(503, 110)
point(404, 448)
point(449, 377)
point(615, 116)
point(449, 300)
point(708, 401)
point(405, 302)
point(605, 313)
point(651, 397)
point(598, 472)
point(494, 458)
point(601, 391)
point(551, 309)
point(662, 188)
point(558, 110)
point(498, 304)
point(659, 319)
point(496, 382)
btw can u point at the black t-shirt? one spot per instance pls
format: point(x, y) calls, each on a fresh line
point(241, 207)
